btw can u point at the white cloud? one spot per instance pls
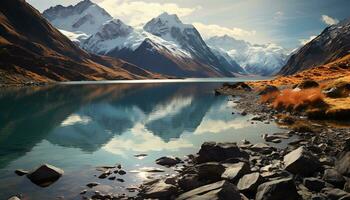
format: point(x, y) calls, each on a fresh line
point(140, 12)
point(211, 30)
point(329, 20)
point(305, 41)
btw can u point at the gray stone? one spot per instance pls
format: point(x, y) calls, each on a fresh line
point(210, 170)
point(21, 172)
point(314, 184)
point(45, 175)
point(158, 189)
point(302, 162)
point(250, 182)
point(333, 177)
point(216, 152)
point(235, 171)
point(168, 161)
point(14, 198)
point(189, 181)
point(334, 193)
point(262, 148)
point(343, 164)
point(277, 190)
point(221, 190)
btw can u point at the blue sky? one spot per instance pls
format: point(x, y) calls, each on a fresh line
point(285, 22)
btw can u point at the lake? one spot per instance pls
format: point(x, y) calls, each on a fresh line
point(78, 127)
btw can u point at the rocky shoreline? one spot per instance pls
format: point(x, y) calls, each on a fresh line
point(316, 165)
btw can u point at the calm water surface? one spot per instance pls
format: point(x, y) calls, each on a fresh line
point(81, 127)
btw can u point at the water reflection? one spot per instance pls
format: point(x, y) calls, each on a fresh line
point(79, 127)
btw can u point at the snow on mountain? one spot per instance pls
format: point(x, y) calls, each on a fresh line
point(85, 17)
point(263, 59)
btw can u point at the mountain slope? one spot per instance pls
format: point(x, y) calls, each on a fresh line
point(264, 59)
point(185, 56)
point(331, 44)
point(32, 49)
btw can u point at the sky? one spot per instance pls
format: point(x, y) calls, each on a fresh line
point(288, 23)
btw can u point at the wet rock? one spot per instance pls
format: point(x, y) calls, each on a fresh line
point(168, 161)
point(21, 172)
point(210, 171)
point(235, 171)
point(343, 164)
point(112, 178)
point(212, 151)
point(121, 172)
point(105, 174)
point(120, 180)
point(249, 183)
point(276, 190)
point(333, 177)
point(83, 192)
point(297, 160)
point(45, 175)
point(221, 190)
point(92, 184)
point(158, 189)
point(314, 184)
point(334, 193)
point(268, 89)
point(262, 148)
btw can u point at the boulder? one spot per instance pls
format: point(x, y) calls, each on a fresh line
point(333, 177)
point(314, 184)
point(235, 171)
point(262, 148)
point(14, 198)
point(210, 171)
point(158, 189)
point(168, 161)
point(334, 193)
point(249, 183)
point(216, 152)
point(277, 190)
point(268, 89)
point(301, 162)
point(92, 184)
point(221, 190)
point(342, 165)
point(189, 182)
point(45, 175)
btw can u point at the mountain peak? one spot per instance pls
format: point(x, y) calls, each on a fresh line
point(169, 17)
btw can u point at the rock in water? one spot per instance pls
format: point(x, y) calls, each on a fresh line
point(21, 172)
point(221, 190)
point(216, 152)
point(168, 161)
point(45, 175)
point(262, 148)
point(157, 189)
point(343, 164)
point(302, 162)
point(210, 171)
point(235, 171)
point(277, 190)
point(249, 183)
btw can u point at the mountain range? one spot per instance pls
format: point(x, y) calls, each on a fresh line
point(163, 45)
point(31, 49)
point(333, 43)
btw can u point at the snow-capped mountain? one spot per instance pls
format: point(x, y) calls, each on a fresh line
point(164, 45)
point(85, 17)
point(332, 44)
point(185, 36)
point(263, 59)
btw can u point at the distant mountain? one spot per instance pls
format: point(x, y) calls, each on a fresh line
point(33, 50)
point(333, 43)
point(165, 45)
point(264, 59)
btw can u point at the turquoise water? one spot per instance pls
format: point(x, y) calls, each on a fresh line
point(79, 127)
